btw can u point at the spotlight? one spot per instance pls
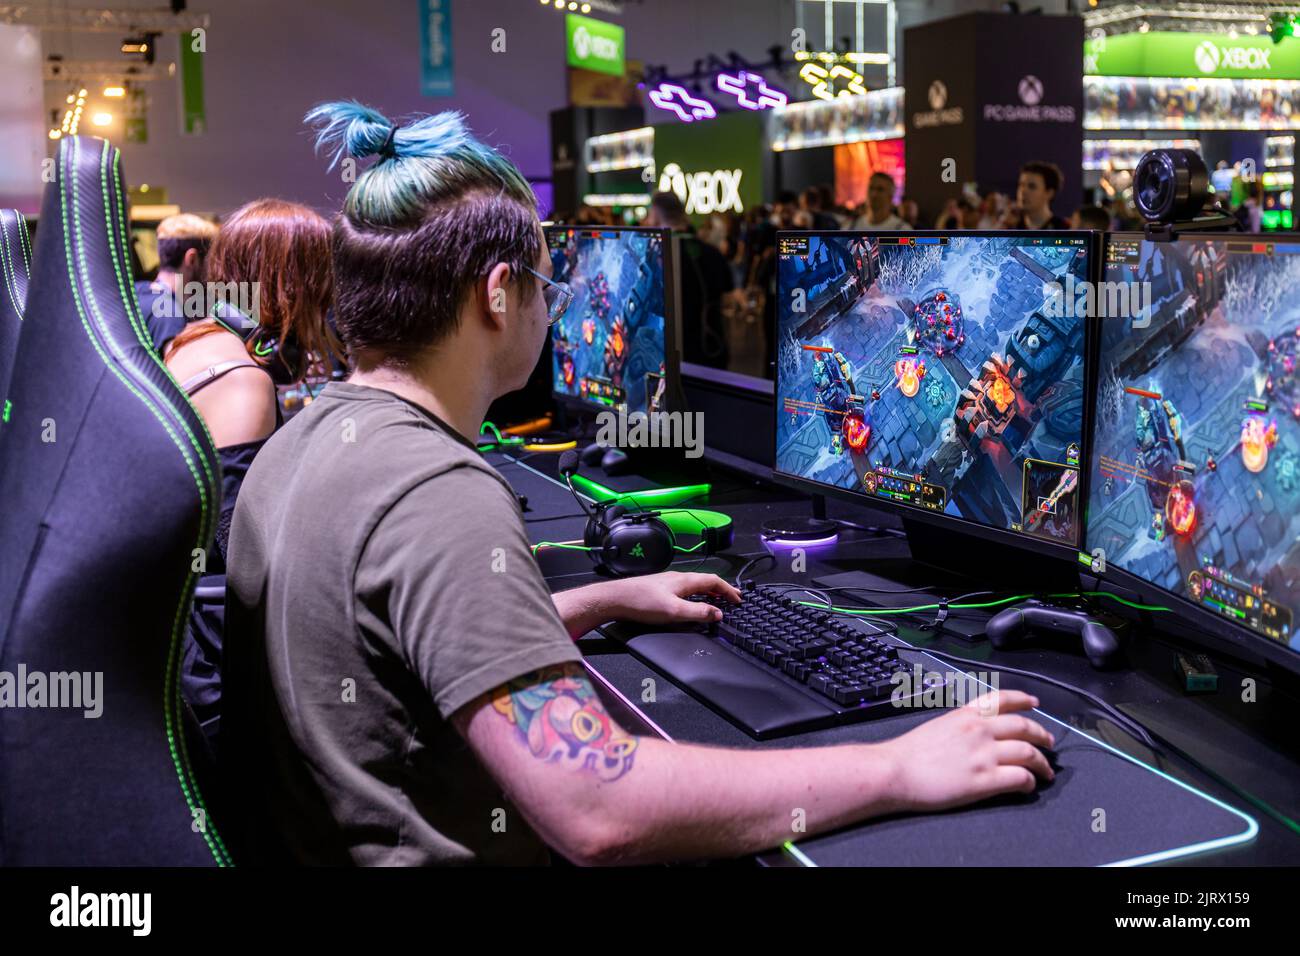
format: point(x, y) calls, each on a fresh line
point(586, 8)
point(115, 92)
point(1171, 185)
point(102, 119)
point(55, 133)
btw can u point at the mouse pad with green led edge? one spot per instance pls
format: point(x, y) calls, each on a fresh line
point(1103, 808)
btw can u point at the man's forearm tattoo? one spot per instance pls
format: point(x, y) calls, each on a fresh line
point(559, 716)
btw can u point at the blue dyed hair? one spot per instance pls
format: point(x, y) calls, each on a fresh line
point(421, 226)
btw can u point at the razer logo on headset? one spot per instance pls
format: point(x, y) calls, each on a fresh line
point(637, 552)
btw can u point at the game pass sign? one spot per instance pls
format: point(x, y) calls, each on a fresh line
point(986, 93)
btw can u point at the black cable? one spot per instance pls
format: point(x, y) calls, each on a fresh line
point(554, 518)
point(740, 575)
point(1116, 716)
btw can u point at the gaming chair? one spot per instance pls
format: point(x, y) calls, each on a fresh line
point(15, 264)
point(111, 490)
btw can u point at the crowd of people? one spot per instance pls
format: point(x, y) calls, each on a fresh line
point(729, 278)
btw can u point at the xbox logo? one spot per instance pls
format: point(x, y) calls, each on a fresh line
point(1207, 56)
point(1031, 90)
point(938, 95)
point(582, 43)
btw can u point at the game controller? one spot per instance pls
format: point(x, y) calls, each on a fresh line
point(1013, 626)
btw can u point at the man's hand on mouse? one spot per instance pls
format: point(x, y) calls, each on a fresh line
point(648, 599)
point(986, 748)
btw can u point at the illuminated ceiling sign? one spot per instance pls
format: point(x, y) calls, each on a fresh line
point(826, 84)
point(675, 99)
point(751, 90)
point(706, 192)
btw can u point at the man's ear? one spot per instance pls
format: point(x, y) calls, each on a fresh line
point(191, 260)
point(497, 294)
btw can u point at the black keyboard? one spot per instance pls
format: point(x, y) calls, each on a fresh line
point(773, 666)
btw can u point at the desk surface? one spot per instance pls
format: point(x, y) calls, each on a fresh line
point(1155, 804)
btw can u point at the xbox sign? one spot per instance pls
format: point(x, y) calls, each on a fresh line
point(1210, 55)
point(594, 45)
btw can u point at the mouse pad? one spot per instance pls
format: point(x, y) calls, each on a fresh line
point(1103, 809)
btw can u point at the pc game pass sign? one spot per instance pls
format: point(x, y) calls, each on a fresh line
point(989, 92)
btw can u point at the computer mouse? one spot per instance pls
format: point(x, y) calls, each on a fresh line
point(615, 462)
point(591, 455)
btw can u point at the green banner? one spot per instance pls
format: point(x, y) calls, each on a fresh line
point(194, 111)
point(136, 125)
point(594, 44)
point(1192, 55)
point(713, 166)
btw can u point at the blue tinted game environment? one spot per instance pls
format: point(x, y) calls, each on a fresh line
point(1196, 471)
point(940, 372)
point(608, 349)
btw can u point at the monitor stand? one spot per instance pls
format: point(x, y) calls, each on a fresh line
point(965, 562)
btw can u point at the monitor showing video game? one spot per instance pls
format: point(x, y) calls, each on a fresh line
point(944, 372)
point(610, 348)
point(1196, 455)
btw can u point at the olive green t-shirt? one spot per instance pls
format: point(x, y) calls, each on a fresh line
point(380, 578)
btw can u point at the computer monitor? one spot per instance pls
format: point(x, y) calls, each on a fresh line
point(616, 345)
point(1196, 450)
point(941, 372)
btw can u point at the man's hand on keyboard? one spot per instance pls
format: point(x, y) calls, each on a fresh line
point(650, 599)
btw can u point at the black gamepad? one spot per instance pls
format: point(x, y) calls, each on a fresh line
point(1012, 626)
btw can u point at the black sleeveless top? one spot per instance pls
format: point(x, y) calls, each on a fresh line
point(201, 656)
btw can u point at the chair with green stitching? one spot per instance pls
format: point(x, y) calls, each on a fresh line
point(111, 491)
point(15, 264)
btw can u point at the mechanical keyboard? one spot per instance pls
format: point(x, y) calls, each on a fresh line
point(774, 666)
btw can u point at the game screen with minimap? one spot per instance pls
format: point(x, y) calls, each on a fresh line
point(941, 372)
point(1196, 461)
point(609, 347)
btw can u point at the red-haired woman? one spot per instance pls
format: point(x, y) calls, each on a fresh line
point(269, 287)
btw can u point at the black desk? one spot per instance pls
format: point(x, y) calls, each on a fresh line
point(1158, 807)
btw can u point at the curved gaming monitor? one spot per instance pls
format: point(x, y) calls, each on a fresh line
point(1196, 453)
point(940, 372)
point(616, 345)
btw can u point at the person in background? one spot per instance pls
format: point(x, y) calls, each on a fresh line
point(1251, 211)
point(1090, 217)
point(910, 211)
point(992, 210)
point(810, 202)
point(273, 256)
point(878, 211)
point(760, 282)
point(183, 242)
point(1038, 185)
point(704, 276)
point(959, 214)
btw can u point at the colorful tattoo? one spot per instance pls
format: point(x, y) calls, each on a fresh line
point(559, 716)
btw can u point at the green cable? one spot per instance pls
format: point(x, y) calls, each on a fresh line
point(564, 547)
point(908, 610)
point(495, 431)
point(935, 607)
point(1116, 597)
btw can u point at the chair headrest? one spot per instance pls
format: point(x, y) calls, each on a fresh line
point(15, 266)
